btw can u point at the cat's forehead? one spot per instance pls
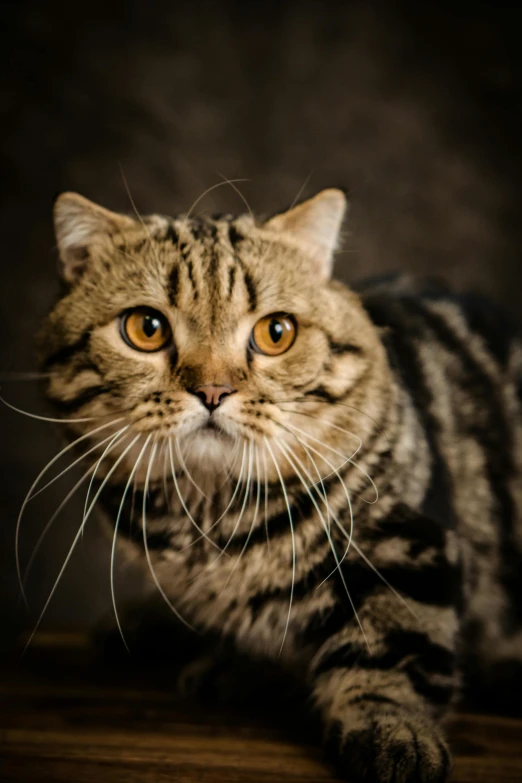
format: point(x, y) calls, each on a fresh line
point(213, 269)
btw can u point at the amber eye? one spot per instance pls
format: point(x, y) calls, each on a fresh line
point(145, 329)
point(273, 334)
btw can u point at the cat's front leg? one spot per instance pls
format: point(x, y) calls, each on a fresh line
point(380, 705)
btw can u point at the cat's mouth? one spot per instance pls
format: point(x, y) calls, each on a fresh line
point(212, 428)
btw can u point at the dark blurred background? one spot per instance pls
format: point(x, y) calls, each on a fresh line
point(415, 109)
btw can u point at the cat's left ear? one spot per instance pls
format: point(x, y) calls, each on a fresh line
point(315, 225)
point(82, 230)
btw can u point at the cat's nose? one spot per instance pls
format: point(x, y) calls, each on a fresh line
point(212, 396)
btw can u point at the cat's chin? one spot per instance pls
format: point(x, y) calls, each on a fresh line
point(209, 450)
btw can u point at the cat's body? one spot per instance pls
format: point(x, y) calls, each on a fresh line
point(355, 510)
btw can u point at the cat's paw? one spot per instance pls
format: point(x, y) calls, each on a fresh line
point(384, 745)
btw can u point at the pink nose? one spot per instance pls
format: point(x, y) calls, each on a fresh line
point(212, 396)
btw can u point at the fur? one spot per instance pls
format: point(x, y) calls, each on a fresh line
point(354, 512)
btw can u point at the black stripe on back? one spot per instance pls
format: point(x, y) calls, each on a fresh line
point(490, 323)
point(493, 432)
point(405, 324)
point(419, 530)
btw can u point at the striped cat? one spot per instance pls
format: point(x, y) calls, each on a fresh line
point(327, 479)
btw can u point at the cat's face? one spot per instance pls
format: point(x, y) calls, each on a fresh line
point(210, 333)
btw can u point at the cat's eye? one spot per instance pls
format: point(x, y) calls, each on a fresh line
point(145, 329)
point(274, 334)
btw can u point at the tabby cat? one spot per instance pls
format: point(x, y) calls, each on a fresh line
point(329, 479)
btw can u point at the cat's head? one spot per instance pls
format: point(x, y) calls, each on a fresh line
point(208, 333)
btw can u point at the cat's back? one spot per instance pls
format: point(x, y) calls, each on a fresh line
point(460, 361)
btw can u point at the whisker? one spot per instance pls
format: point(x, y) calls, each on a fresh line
point(43, 534)
point(243, 507)
point(93, 477)
point(46, 418)
point(115, 536)
point(29, 496)
point(338, 568)
point(266, 501)
point(329, 424)
point(76, 461)
point(283, 486)
point(231, 463)
point(146, 546)
point(25, 376)
point(187, 472)
point(236, 490)
point(338, 453)
point(143, 224)
point(254, 519)
point(206, 192)
point(374, 569)
point(165, 476)
point(241, 196)
point(300, 191)
point(184, 505)
point(75, 541)
point(335, 470)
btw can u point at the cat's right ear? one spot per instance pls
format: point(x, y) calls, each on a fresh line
point(83, 229)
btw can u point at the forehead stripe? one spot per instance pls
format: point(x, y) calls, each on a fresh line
point(173, 286)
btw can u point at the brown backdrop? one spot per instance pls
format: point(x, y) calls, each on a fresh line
point(417, 112)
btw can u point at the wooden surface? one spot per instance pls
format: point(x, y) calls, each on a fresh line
point(65, 718)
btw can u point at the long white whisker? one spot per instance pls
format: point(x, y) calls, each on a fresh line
point(243, 507)
point(146, 546)
point(143, 224)
point(266, 500)
point(29, 497)
point(335, 471)
point(187, 472)
point(72, 465)
point(330, 448)
point(347, 495)
point(374, 569)
point(254, 519)
point(231, 463)
point(115, 437)
point(236, 490)
point(165, 474)
point(115, 536)
point(75, 541)
point(206, 192)
point(182, 501)
point(326, 423)
point(46, 418)
point(49, 524)
point(285, 448)
point(241, 196)
point(283, 486)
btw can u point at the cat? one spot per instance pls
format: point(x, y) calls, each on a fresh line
point(326, 478)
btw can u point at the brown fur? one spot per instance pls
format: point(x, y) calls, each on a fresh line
point(393, 408)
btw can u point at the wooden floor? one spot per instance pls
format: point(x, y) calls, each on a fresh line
point(65, 718)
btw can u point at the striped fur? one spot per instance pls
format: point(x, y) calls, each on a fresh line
point(424, 387)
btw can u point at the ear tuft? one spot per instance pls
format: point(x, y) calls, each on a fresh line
point(80, 227)
point(315, 225)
